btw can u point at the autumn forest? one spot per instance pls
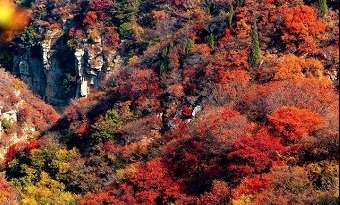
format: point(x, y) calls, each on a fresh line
point(214, 102)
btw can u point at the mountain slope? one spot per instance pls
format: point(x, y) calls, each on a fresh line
point(216, 103)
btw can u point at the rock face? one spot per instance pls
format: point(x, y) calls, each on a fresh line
point(6, 119)
point(59, 74)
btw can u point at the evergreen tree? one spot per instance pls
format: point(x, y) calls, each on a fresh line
point(323, 7)
point(255, 52)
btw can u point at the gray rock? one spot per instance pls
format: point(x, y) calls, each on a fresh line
point(44, 69)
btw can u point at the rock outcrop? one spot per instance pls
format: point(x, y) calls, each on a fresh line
point(58, 73)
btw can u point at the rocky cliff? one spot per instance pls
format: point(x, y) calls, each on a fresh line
point(59, 73)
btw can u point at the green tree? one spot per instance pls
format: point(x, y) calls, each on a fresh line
point(164, 62)
point(230, 15)
point(106, 127)
point(255, 52)
point(125, 30)
point(127, 10)
point(211, 40)
point(323, 7)
point(188, 46)
point(30, 36)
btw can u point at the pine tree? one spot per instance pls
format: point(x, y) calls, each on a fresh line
point(164, 62)
point(323, 7)
point(255, 52)
point(230, 16)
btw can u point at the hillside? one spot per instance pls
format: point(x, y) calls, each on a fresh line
point(174, 102)
point(22, 114)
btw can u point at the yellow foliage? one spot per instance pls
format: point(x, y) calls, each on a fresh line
point(18, 84)
point(62, 160)
point(29, 201)
point(47, 191)
point(94, 35)
point(131, 169)
point(243, 200)
point(120, 175)
point(137, 30)
point(31, 173)
point(133, 60)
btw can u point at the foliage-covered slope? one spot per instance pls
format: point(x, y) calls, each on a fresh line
point(218, 103)
point(22, 113)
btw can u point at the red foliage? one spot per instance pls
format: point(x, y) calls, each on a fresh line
point(77, 33)
point(226, 38)
point(292, 123)
point(224, 124)
point(90, 18)
point(218, 194)
point(252, 185)
point(140, 83)
point(194, 160)
point(153, 179)
point(83, 129)
point(100, 5)
point(7, 193)
point(176, 90)
point(105, 197)
point(146, 183)
point(186, 111)
point(142, 88)
point(255, 154)
point(24, 112)
point(15, 96)
point(21, 147)
point(110, 38)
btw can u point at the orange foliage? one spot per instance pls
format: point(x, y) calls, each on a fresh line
point(160, 15)
point(8, 195)
point(90, 17)
point(83, 129)
point(226, 38)
point(176, 90)
point(252, 185)
point(201, 48)
point(226, 77)
point(292, 123)
point(293, 67)
point(301, 25)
